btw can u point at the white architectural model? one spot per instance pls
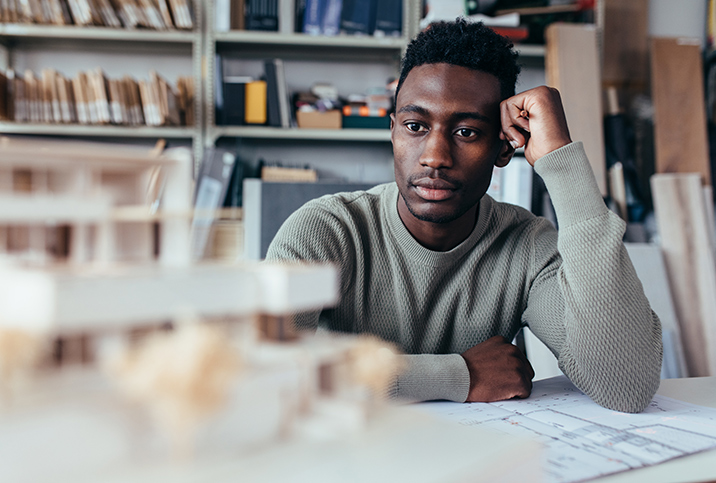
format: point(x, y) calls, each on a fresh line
point(122, 361)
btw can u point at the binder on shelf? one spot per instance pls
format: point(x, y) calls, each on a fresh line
point(389, 18)
point(238, 14)
point(256, 102)
point(235, 99)
point(331, 22)
point(83, 116)
point(313, 17)
point(299, 12)
point(222, 15)
point(5, 111)
point(212, 183)
point(286, 16)
point(164, 12)
point(358, 17)
point(278, 110)
point(262, 15)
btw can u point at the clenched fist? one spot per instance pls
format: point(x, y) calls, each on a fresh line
point(498, 371)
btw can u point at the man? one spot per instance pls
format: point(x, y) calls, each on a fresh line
point(434, 265)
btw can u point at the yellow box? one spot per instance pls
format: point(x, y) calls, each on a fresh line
point(255, 107)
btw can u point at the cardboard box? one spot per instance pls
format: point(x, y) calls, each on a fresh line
point(319, 120)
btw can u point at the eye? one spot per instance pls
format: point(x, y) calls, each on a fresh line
point(466, 133)
point(414, 126)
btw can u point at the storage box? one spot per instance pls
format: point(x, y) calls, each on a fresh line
point(319, 120)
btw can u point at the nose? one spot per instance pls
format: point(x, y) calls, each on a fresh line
point(436, 151)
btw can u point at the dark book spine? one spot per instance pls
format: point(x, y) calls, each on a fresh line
point(273, 109)
point(262, 15)
point(358, 17)
point(389, 18)
point(300, 14)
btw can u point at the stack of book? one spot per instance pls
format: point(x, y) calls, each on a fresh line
point(314, 17)
point(91, 98)
point(153, 14)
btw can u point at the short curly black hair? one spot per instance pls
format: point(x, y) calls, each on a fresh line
point(471, 45)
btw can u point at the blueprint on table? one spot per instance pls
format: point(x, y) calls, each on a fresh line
point(584, 440)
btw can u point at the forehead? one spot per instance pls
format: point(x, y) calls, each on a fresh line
point(450, 84)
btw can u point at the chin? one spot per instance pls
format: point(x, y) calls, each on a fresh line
point(433, 215)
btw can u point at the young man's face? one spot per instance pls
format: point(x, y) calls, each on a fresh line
point(445, 135)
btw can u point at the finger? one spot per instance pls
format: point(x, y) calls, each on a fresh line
point(515, 137)
point(513, 113)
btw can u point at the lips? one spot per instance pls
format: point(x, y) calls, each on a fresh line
point(434, 189)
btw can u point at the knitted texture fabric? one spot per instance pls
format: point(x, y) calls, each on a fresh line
point(576, 289)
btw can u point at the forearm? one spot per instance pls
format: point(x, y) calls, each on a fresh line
point(612, 340)
point(432, 376)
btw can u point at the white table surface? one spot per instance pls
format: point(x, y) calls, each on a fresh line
point(700, 467)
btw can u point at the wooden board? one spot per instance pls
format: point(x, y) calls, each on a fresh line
point(682, 217)
point(679, 108)
point(625, 43)
point(572, 66)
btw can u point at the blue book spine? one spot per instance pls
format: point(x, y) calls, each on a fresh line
point(331, 24)
point(358, 17)
point(389, 18)
point(313, 17)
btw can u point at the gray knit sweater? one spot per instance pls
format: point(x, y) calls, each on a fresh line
point(576, 289)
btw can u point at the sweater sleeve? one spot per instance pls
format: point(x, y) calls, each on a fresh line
point(585, 301)
point(314, 233)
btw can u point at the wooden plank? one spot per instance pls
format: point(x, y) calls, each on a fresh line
point(682, 217)
point(679, 108)
point(625, 43)
point(572, 66)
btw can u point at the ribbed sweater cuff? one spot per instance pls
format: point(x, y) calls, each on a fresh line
point(433, 376)
point(571, 184)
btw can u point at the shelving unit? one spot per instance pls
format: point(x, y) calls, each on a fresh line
point(300, 47)
point(203, 44)
point(16, 36)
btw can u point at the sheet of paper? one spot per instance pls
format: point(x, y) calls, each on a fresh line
point(584, 440)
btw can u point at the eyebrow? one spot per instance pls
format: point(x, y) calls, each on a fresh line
point(458, 116)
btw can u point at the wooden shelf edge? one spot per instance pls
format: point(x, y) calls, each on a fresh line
point(181, 132)
point(95, 33)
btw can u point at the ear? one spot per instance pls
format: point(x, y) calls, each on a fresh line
point(506, 152)
point(392, 120)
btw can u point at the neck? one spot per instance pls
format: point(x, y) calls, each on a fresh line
point(439, 237)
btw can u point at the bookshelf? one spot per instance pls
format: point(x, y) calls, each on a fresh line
point(201, 45)
point(302, 54)
point(16, 38)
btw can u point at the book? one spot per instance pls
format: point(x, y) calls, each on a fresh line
point(238, 15)
point(5, 110)
point(235, 99)
point(313, 17)
point(262, 15)
point(222, 15)
point(299, 11)
point(278, 108)
point(212, 183)
point(358, 17)
point(273, 110)
point(389, 18)
point(331, 21)
point(83, 116)
point(286, 16)
point(255, 102)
